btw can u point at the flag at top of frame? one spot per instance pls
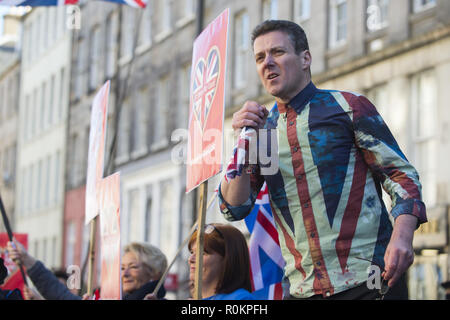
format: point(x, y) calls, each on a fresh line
point(38, 3)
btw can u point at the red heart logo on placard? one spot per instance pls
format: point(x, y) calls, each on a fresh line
point(206, 79)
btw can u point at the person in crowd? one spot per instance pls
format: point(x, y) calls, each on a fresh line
point(142, 265)
point(446, 286)
point(7, 294)
point(334, 154)
point(226, 264)
point(49, 287)
point(61, 274)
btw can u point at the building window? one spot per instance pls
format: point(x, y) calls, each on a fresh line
point(71, 243)
point(111, 34)
point(39, 185)
point(421, 5)
point(47, 181)
point(189, 8)
point(54, 252)
point(29, 188)
point(94, 58)
point(57, 184)
point(61, 100)
point(51, 101)
point(52, 23)
point(162, 108)
point(424, 117)
point(28, 42)
point(61, 21)
point(33, 118)
point(134, 218)
point(135, 128)
point(166, 15)
point(164, 19)
point(79, 81)
point(168, 238)
point(302, 10)
point(148, 214)
point(270, 9)
point(127, 42)
point(338, 22)
point(141, 120)
point(184, 96)
point(377, 14)
point(74, 161)
point(20, 204)
point(43, 106)
point(145, 34)
point(241, 49)
point(39, 34)
point(124, 132)
point(34, 186)
point(46, 26)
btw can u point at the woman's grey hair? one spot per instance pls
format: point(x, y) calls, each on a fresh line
point(152, 258)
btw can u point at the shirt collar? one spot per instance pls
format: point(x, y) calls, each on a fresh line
point(303, 97)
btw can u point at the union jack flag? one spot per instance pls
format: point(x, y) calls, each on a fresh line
point(205, 83)
point(266, 261)
point(37, 3)
point(240, 156)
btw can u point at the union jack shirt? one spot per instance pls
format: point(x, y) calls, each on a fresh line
point(335, 153)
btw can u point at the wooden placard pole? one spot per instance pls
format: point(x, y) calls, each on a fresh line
point(91, 261)
point(200, 240)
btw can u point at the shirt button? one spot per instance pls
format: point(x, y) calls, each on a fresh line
point(305, 205)
point(295, 149)
point(328, 293)
point(312, 234)
point(299, 177)
point(318, 263)
point(291, 123)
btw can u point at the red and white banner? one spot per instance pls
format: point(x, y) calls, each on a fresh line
point(207, 102)
point(109, 203)
point(14, 279)
point(97, 135)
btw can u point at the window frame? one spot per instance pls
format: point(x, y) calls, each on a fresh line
point(334, 24)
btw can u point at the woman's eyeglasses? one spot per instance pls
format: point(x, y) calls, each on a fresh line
point(209, 228)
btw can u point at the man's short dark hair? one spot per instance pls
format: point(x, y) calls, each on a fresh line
point(296, 33)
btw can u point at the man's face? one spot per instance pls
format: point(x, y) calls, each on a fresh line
point(283, 73)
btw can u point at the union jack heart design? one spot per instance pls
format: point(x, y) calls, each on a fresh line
point(206, 79)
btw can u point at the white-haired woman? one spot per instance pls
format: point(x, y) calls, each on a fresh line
point(142, 266)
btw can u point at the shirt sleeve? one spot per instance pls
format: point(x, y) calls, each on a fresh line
point(386, 161)
point(236, 213)
point(48, 285)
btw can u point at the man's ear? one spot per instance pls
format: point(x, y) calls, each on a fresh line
point(306, 60)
